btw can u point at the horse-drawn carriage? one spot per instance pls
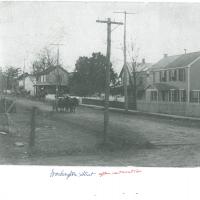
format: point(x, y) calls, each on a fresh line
point(65, 104)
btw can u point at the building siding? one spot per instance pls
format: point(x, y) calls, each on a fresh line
point(51, 77)
point(195, 76)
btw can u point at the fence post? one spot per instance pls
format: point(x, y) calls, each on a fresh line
point(32, 131)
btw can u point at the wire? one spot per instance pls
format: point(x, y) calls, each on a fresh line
point(115, 28)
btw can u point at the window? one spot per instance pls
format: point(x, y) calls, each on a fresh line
point(44, 78)
point(176, 95)
point(182, 94)
point(172, 95)
point(154, 77)
point(181, 74)
point(163, 76)
point(195, 96)
point(174, 75)
point(154, 95)
point(170, 75)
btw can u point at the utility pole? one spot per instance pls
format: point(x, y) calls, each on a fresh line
point(185, 51)
point(58, 52)
point(107, 87)
point(23, 73)
point(58, 63)
point(125, 79)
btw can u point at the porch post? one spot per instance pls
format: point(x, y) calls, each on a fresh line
point(188, 89)
point(157, 96)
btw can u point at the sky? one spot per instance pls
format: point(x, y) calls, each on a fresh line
point(155, 29)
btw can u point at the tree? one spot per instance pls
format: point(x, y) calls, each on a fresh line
point(45, 59)
point(89, 75)
point(10, 76)
point(133, 54)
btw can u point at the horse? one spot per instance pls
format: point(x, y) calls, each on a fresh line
point(65, 104)
point(73, 103)
point(58, 104)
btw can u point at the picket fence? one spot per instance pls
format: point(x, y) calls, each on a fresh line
point(172, 108)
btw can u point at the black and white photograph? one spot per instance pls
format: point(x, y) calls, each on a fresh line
point(99, 100)
point(100, 84)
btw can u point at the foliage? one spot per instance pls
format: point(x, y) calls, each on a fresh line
point(90, 74)
point(10, 76)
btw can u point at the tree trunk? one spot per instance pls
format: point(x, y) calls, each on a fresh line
point(135, 91)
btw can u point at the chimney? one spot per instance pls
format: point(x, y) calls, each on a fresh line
point(143, 60)
point(165, 55)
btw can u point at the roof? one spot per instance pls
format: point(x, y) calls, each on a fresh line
point(176, 61)
point(141, 67)
point(50, 69)
point(162, 86)
point(183, 60)
point(161, 64)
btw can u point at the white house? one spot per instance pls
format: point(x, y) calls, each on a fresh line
point(27, 82)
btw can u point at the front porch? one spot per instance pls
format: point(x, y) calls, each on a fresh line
point(42, 89)
point(165, 93)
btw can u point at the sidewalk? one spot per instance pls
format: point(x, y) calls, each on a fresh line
point(143, 113)
point(46, 107)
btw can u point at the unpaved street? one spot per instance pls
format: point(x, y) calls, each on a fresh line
point(76, 139)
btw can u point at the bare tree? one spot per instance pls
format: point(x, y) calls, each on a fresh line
point(133, 52)
point(45, 59)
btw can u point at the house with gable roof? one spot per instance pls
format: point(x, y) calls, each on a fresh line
point(175, 79)
point(52, 80)
point(142, 77)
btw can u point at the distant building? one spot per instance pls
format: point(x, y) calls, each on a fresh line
point(51, 81)
point(175, 79)
point(26, 82)
point(142, 77)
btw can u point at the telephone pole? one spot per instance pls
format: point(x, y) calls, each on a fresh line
point(58, 63)
point(125, 78)
point(58, 52)
point(185, 50)
point(107, 87)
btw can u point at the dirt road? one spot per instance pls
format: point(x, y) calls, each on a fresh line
point(76, 139)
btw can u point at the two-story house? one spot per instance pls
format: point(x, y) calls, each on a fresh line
point(175, 79)
point(53, 80)
point(141, 71)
